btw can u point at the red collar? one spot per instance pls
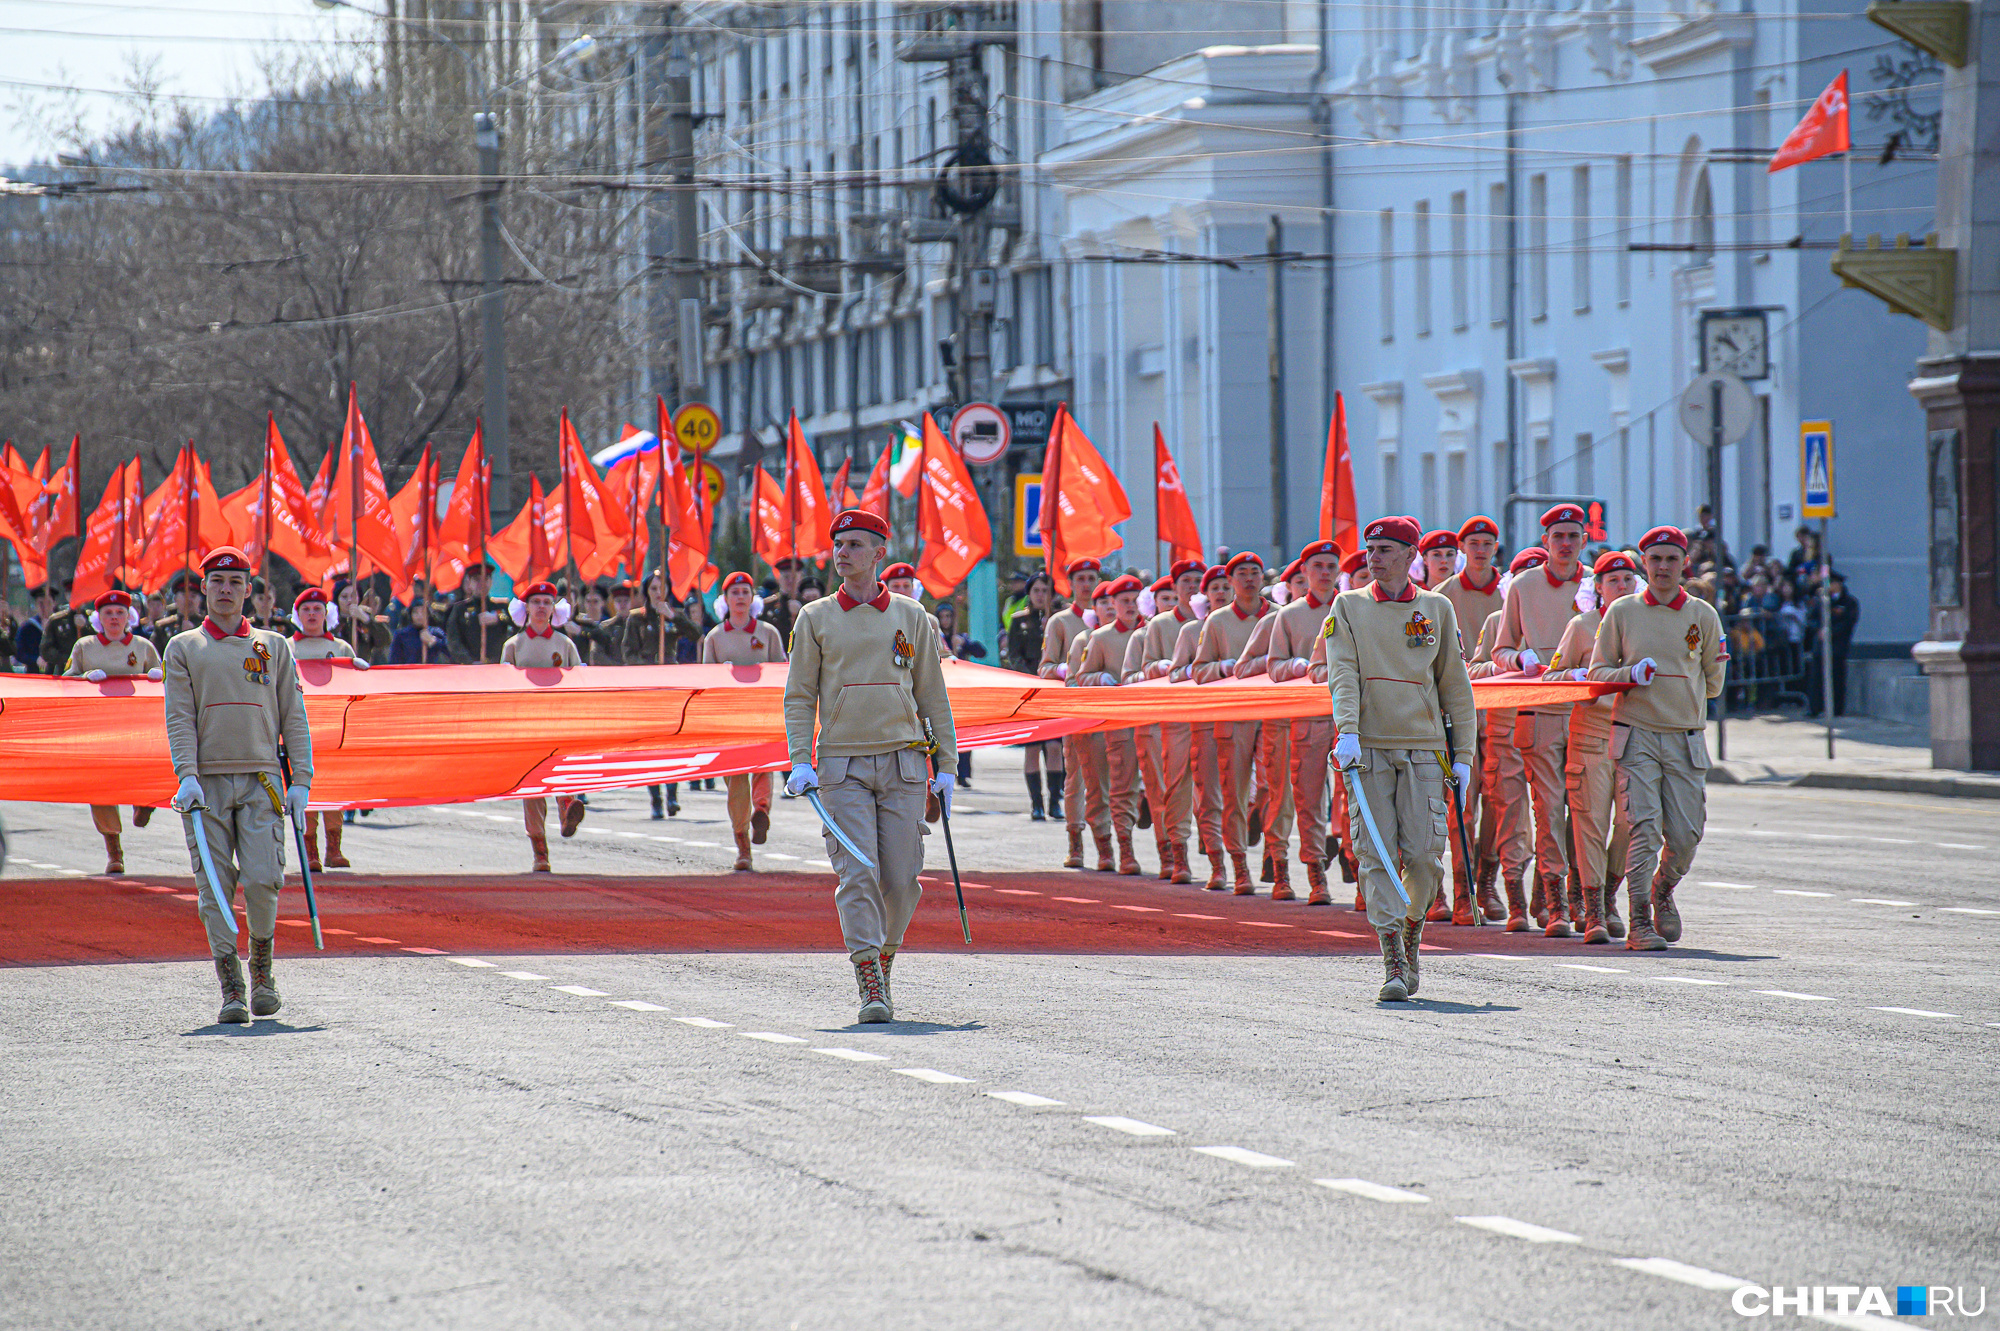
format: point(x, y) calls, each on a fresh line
point(1239, 609)
point(125, 641)
point(1182, 615)
point(531, 633)
point(1680, 599)
point(1313, 602)
point(1554, 581)
point(214, 630)
point(1123, 627)
point(1492, 586)
point(322, 636)
point(1409, 592)
point(880, 600)
point(750, 628)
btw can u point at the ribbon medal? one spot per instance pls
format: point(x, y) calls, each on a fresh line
point(904, 654)
point(1419, 632)
point(1693, 641)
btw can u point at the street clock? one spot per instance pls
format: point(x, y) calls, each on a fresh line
point(1736, 342)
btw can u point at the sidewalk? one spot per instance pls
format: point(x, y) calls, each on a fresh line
point(1775, 750)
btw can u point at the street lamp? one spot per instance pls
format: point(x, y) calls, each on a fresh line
point(492, 291)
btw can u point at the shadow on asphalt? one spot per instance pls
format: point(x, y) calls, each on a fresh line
point(901, 1028)
point(1461, 1009)
point(1679, 953)
point(255, 1029)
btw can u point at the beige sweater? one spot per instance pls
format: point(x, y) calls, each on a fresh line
point(1108, 649)
point(1472, 606)
point(1225, 634)
point(1684, 640)
point(1296, 627)
point(1155, 646)
point(130, 655)
point(876, 662)
point(723, 645)
point(1057, 634)
point(228, 701)
point(1535, 614)
point(528, 650)
point(1573, 653)
point(1386, 690)
point(321, 649)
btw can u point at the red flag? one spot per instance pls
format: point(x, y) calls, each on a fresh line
point(415, 508)
point(808, 515)
point(628, 488)
point(112, 535)
point(1081, 499)
point(360, 509)
point(875, 494)
point(1337, 519)
point(524, 550)
point(1822, 132)
point(950, 519)
point(769, 533)
point(467, 524)
point(1173, 517)
point(65, 502)
point(283, 515)
point(590, 520)
point(239, 511)
point(684, 514)
point(183, 520)
point(322, 489)
point(24, 512)
point(840, 492)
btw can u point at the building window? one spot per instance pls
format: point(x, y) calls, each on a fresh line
point(1499, 254)
point(1455, 497)
point(1622, 184)
point(1538, 246)
point(1580, 237)
point(1586, 467)
point(1701, 230)
point(1386, 264)
point(1392, 484)
point(1544, 479)
point(1421, 221)
point(899, 381)
point(1427, 467)
point(1461, 299)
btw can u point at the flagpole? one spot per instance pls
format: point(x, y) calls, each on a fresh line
point(483, 503)
point(1847, 189)
point(187, 514)
point(264, 557)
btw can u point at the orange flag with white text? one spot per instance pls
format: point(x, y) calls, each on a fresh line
point(684, 513)
point(769, 535)
point(113, 534)
point(1082, 500)
point(1821, 133)
point(524, 551)
point(875, 494)
point(808, 515)
point(1338, 521)
point(292, 525)
point(467, 524)
point(1173, 516)
point(359, 511)
point(950, 519)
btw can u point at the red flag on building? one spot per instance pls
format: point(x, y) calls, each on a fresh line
point(950, 519)
point(1082, 500)
point(875, 494)
point(1337, 519)
point(808, 515)
point(1173, 516)
point(1822, 132)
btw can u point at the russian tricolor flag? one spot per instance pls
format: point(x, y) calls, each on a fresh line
point(632, 443)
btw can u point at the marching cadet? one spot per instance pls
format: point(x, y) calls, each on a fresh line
point(1094, 785)
point(1164, 748)
point(865, 700)
point(743, 639)
point(113, 651)
point(1271, 795)
point(901, 579)
point(1057, 634)
point(359, 626)
point(1535, 611)
point(477, 627)
point(1670, 644)
point(1103, 666)
point(186, 614)
point(1296, 629)
point(1224, 636)
point(1025, 628)
point(1439, 551)
point(1339, 841)
point(1354, 571)
point(264, 608)
point(1205, 770)
point(231, 692)
point(1504, 779)
point(62, 630)
point(1475, 595)
point(1394, 673)
point(313, 618)
point(662, 633)
point(538, 646)
point(1594, 809)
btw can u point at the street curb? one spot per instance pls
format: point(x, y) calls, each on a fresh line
point(1965, 787)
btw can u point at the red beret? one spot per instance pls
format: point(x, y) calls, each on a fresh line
point(1164, 583)
point(1076, 566)
point(1214, 574)
point(1664, 536)
point(1479, 525)
point(1565, 513)
point(860, 519)
point(111, 598)
point(899, 569)
point(1614, 561)
point(1405, 530)
point(1120, 585)
point(1354, 562)
point(1437, 540)
point(739, 578)
point(310, 596)
point(1185, 566)
point(543, 588)
point(225, 556)
point(1318, 548)
point(1292, 570)
point(1532, 557)
point(1242, 557)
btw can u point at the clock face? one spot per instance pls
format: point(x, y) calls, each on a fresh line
point(1735, 344)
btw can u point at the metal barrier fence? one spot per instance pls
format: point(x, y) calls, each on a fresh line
point(1766, 668)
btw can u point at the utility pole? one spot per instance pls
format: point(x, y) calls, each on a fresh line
point(1274, 246)
point(493, 308)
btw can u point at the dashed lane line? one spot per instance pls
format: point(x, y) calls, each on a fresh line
point(1130, 1125)
point(1184, 915)
point(636, 1006)
point(1518, 1229)
point(386, 942)
point(1787, 993)
point(1968, 910)
point(1669, 1269)
point(523, 975)
point(1374, 1192)
point(1026, 1099)
point(854, 1055)
point(579, 990)
point(1879, 901)
point(1683, 979)
point(706, 1023)
point(1601, 970)
point(1241, 1156)
point(1264, 924)
point(473, 962)
point(420, 951)
point(1738, 887)
point(1918, 1012)
point(772, 1037)
point(1797, 892)
point(1077, 901)
point(933, 1076)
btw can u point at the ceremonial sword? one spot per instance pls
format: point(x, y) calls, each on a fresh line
point(812, 795)
point(950, 851)
point(1458, 806)
point(208, 866)
point(1368, 819)
point(299, 836)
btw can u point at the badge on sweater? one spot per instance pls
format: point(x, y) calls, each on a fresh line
point(132, 659)
point(905, 654)
point(1419, 632)
point(1693, 641)
point(257, 664)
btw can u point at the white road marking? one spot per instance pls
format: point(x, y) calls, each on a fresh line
point(1669, 1269)
point(703, 1022)
point(1025, 1098)
point(1602, 970)
point(579, 991)
point(825, 864)
point(710, 844)
point(1339, 933)
point(75, 873)
point(1797, 892)
point(1968, 910)
point(1803, 998)
point(1956, 845)
point(632, 834)
point(1264, 924)
point(778, 855)
point(187, 896)
point(1740, 887)
point(1238, 1155)
point(854, 1055)
point(1374, 1192)
point(600, 831)
point(772, 1037)
point(1131, 1125)
point(933, 1076)
point(1080, 901)
point(523, 975)
point(1879, 901)
point(1918, 1012)
point(1015, 892)
point(1518, 1229)
point(1185, 915)
point(1148, 910)
point(151, 888)
point(1683, 979)
point(636, 1005)
point(392, 942)
point(469, 961)
point(673, 839)
point(420, 951)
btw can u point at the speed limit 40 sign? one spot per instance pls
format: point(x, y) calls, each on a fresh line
point(697, 427)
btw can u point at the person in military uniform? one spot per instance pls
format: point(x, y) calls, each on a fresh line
point(780, 610)
point(1594, 808)
point(1103, 666)
point(1205, 766)
point(263, 613)
point(1475, 594)
point(113, 651)
point(743, 639)
point(1394, 673)
point(1058, 633)
point(360, 627)
point(540, 645)
point(477, 626)
point(186, 613)
point(1225, 635)
point(61, 631)
point(1296, 629)
point(1026, 628)
point(865, 703)
point(1165, 750)
point(313, 620)
point(661, 634)
point(231, 693)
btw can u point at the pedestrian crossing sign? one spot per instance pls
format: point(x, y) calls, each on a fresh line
point(1816, 469)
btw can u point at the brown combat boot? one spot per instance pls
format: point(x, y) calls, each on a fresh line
point(1244, 887)
point(334, 859)
point(1440, 908)
point(1074, 860)
point(540, 846)
point(760, 826)
point(1128, 861)
point(572, 817)
point(1105, 864)
point(1557, 924)
point(742, 852)
point(1281, 879)
point(1395, 988)
point(1666, 915)
point(1593, 916)
point(1413, 938)
point(141, 814)
point(1538, 901)
point(1316, 894)
point(1265, 872)
point(1463, 911)
point(1217, 879)
point(1517, 908)
point(114, 854)
point(1613, 925)
point(1166, 850)
point(229, 971)
point(312, 844)
point(264, 998)
point(1641, 937)
point(1490, 904)
point(1182, 874)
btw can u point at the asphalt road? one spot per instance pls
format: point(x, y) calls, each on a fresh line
point(631, 1095)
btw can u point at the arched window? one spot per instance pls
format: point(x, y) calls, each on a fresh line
point(1701, 218)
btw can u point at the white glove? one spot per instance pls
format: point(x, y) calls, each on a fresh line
point(1462, 774)
point(189, 794)
point(802, 779)
point(362, 663)
point(1580, 674)
point(1526, 656)
point(941, 786)
point(295, 801)
point(1228, 666)
point(94, 676)
point(1347, 749)
point(1299, 666)
point(156, 674)
point(1643, 672)
point(1062, 671)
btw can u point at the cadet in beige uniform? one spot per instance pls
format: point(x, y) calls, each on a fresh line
point(864, 700)
point(1475, 595)
point(1506, 772)
point(1164, 749)
point(113, 651)
point(743, 639)
point(1594, 809)
point(1394, 671)
point(1670, 644)
point(1103, 666)
point(1057, 635)
point(1205, 768)
point(314, 618)
point(231, 692)
point(1224, 636)
point(538, 646)
point(1093, 787)
point(1299, 627)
